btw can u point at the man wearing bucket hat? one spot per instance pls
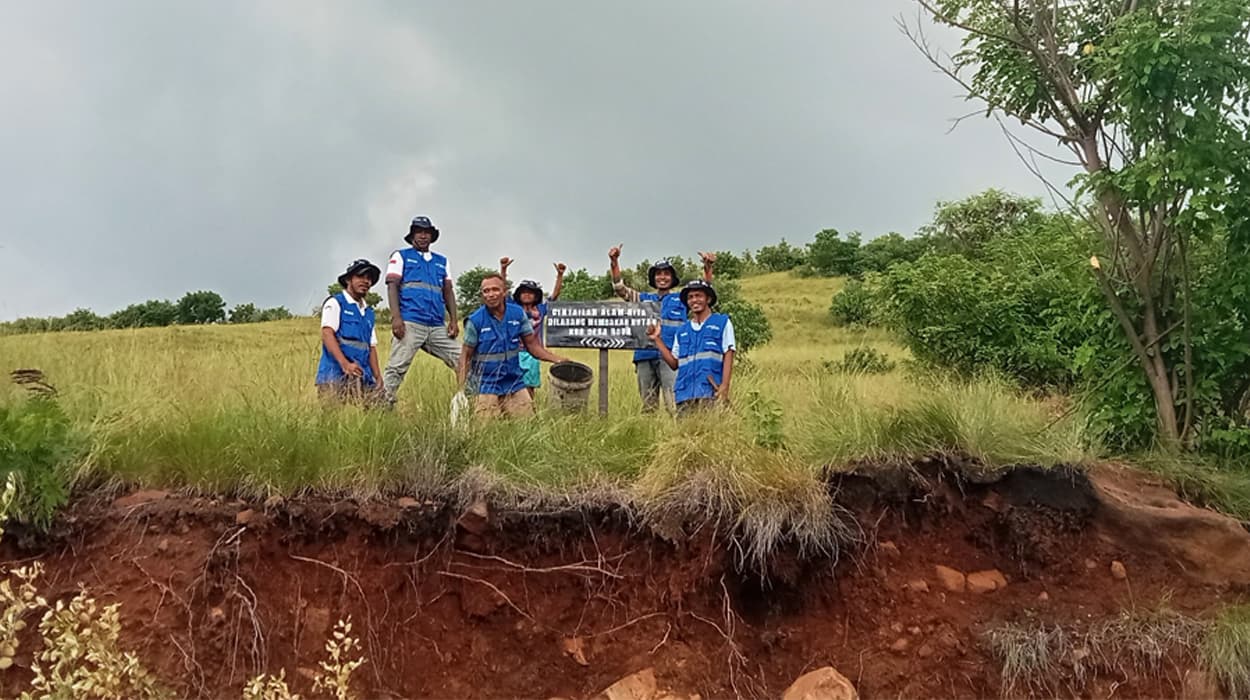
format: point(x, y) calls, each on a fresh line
point(655, 379)
point(493, 338)
point(349, 346)
point(423, 305)
point(702, 352)
point(529, 294)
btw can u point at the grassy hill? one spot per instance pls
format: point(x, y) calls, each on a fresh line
point(232, 408)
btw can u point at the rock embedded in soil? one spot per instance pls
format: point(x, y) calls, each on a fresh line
point(635, 686)
point(1213, 548)
point(986, 581)
point(407, 502)
point(889, 549)
point(917, 586)
point(951, 579)
point(139, 498)
point(900, 645)
point(475, 519)
point(822, 684)
point(244, 517)
point(1118, 572)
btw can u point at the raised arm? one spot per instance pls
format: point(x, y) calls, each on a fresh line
point(621, 289)
point(559, 286)
point(504, 264)
point(709, 259)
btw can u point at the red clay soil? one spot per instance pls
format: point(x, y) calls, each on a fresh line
point(563, 605)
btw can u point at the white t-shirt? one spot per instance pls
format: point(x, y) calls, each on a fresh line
point(330, 316)
point(727, 342)
point(395, 266)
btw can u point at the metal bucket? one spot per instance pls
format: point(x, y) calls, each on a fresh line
point(570, 385)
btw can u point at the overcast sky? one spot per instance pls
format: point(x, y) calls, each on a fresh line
point(256, 147)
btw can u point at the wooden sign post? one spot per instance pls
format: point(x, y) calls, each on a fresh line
point(605, 325)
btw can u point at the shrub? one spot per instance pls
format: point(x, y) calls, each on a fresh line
point(863, 360)
point(1019, 309)
point(780, 257)
point(37, 445)
point(201, 307)
point(829, 255)
point(881, 252)
point(751, 326)
point(853, 305)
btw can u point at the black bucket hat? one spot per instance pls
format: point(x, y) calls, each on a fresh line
point(698, 286)
point(421, 222)
point(530, 285)
point(358, 266)
point(662, 265)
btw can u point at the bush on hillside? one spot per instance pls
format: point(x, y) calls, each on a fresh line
point(149, 314)
point(780, 257)
point(37, 445)
point(881, 252)
point(854, 304)
point(580, 285)
point(751, 326)
point(1016, 309)
point(968, 225)
point(201, 307)
point(862, 360)
point(830, 255)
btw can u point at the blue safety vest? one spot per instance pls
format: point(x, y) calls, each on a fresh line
point(354, 333)
point(672, 315)
point(496, 358)
point(421, 289)
point(700, 357)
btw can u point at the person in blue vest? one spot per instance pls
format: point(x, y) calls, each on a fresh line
point(423, 305)
point(655, 379)
point(529, 294)
point(702, 351)
point(494, 337)
point(349, 345)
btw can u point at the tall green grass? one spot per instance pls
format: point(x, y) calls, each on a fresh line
point(232, 409)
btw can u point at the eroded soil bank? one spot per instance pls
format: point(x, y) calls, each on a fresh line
point(564, 604)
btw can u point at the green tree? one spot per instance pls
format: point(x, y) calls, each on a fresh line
point(830, 255)
point(82, 320)
point(881, 252)
point(730, 265)
point(244, 313)
point(580, 285)
point(152, 313)
point(751, 326)
point(779, 257)
point(1152, 100)
point(277, 313)
point(201, 307)
point(967, 225)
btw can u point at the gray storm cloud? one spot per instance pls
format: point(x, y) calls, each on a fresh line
point(253, 148)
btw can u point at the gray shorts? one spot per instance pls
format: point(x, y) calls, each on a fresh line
point(432, 339)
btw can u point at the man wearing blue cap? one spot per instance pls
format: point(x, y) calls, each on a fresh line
point(423, 305)
point(349, 347)
point(655, 379)
point(702, 350)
